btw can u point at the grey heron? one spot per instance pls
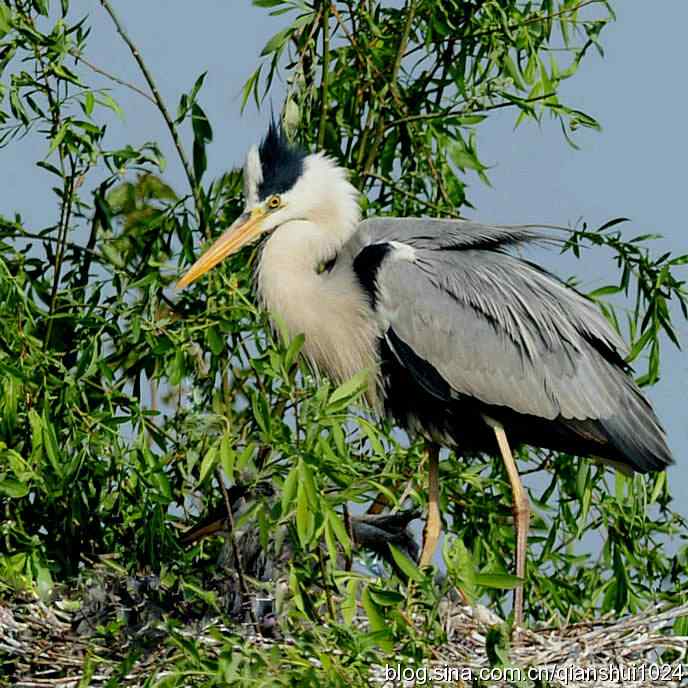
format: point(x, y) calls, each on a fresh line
point(466, 343)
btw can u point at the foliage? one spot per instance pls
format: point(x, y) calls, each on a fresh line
point(123, 401)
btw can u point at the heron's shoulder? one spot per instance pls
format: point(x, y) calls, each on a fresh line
point(369, 257)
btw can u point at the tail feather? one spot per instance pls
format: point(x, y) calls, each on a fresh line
point(637, 435)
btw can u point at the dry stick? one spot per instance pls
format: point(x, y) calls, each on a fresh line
point(235, 550)
point(161, 106)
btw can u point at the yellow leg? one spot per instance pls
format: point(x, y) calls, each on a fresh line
point(521, 516)
point(433, 524)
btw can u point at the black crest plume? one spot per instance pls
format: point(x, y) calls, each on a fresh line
point(282, 163)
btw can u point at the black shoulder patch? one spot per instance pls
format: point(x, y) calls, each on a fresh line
point(366, 265)
point(281, 163)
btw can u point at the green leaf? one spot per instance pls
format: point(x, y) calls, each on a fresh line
point(208, 464)
point(406, 565)
point(13, 488)
point(681, 626)
point(385, 598)
point(200, 160)
point(640, 344)
point(289, 489)
point(330, 543)
point(251, 86)
point(216, 342)
point(604, 291)
point(36, 436)
point(295, 347)
point(227, 456)
point(501, 581)
point(513, 72)
point(51, 445)
point(376, 621)
point(305, 520)
point(375, 617)
point(5, 19)
point(660, 482)
point(89, 102)
point(339, 529)
point(497, 645)
point(44, 581)
point(106, 100)
point(276, 42)
point(176, 368)
point(348, 391)
point(59, 137)
point(261, 412)
point(348, 604)
point(461, 567)
point(308, 483)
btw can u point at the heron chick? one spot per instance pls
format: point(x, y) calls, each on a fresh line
point(467, 343)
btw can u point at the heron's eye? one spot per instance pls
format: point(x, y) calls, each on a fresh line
point(274, 202)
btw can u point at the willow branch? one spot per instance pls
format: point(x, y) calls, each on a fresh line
point(325, 73)
point(395, 187)
point(65, 216)
point(440, 114)
point(161, 106)
point(98, 70)
point(534, 20)
point(380, 127)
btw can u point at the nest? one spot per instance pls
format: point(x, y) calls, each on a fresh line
point(629, 651)
point(54, 645)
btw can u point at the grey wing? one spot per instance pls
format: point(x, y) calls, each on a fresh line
point(498, 329)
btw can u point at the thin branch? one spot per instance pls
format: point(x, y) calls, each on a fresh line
point(535, 20)
point(399, 189)
point(380, 127)
point(161, 106)
point(404, 42)
point(235, 549)
point(325, 73)
point(65, 216)
point(457, 113)
point(78, 56)
point(326, 586)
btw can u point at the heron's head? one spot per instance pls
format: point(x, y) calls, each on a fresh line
point(283, 183)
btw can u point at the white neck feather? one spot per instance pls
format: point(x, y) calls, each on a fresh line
point(329, 308)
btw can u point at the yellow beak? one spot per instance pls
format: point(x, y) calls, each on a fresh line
point(244, 230)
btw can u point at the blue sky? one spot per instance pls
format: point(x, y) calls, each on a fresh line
point(633, 168)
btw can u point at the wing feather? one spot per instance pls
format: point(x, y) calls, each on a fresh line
point(502, 331)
